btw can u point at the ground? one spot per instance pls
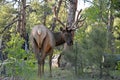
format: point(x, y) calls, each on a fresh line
point(59, 74)
point(62, 74)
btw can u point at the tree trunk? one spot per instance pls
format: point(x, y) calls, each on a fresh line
point(72, 11)
point(22, 19)
point(21, 26)
point(45, 13)
point(23, 29)
point(110, 37)
point(19, 17)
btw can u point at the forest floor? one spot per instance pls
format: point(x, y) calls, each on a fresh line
point(61, 74)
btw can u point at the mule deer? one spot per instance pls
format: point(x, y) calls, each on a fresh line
point(43, 42)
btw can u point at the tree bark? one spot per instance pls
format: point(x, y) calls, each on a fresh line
point(22, 19)
point(23, 29)
point(110, 37)
point(21, 26)
point(72, 11)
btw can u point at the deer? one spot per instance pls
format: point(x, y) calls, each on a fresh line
point(44, 41)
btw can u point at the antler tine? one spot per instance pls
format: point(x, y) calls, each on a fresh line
point(76, 18)
point(79, 14)
point(56, 17)
point(78, 26)
point(82, 20)
point(60, 22)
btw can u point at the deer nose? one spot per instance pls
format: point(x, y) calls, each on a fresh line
point(69, 43)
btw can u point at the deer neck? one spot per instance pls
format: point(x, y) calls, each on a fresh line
point(59, 40)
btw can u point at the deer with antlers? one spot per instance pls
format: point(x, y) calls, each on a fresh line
point(44, 40)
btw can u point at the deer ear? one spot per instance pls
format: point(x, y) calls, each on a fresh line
point(61, 29)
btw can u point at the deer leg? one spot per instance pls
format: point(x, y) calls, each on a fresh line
point(39, 64)
point(39, 68)
point(43, 62)
point(38, 55)
point(50, 62)
point(36, 51)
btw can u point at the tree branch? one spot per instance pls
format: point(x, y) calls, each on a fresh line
point(7, 26)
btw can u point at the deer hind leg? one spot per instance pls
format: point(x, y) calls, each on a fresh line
point(41, 63)
point(37, 53)
point(50, 62)
point(39, 69)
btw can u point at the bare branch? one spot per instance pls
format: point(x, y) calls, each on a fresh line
point(104, 20)
point(60, 22)
point(56, 17)
point(7, 26)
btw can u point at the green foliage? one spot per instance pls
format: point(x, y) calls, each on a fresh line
point(118, 65)
point(39, 11)
point(6, 15)
point(15, 64)
point(96, 41)
point(116, 5)
point(14, 47)
point(92, 14)
point(89, 48)
point(117, 34)
point(15, 54)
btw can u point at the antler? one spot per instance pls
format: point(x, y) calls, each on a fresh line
point(77, 21)
point(56, 17)
point(75, 25)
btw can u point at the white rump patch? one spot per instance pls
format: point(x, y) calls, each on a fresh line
point(42, 32)
point(39, 31)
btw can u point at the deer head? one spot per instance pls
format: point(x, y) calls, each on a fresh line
point(68, 32)
point(67, 35)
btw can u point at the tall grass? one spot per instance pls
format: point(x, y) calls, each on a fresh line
point(57, 74)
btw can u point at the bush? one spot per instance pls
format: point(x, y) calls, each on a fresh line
point(15, 63)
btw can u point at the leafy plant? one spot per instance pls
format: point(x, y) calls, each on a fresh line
point(15, 64)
